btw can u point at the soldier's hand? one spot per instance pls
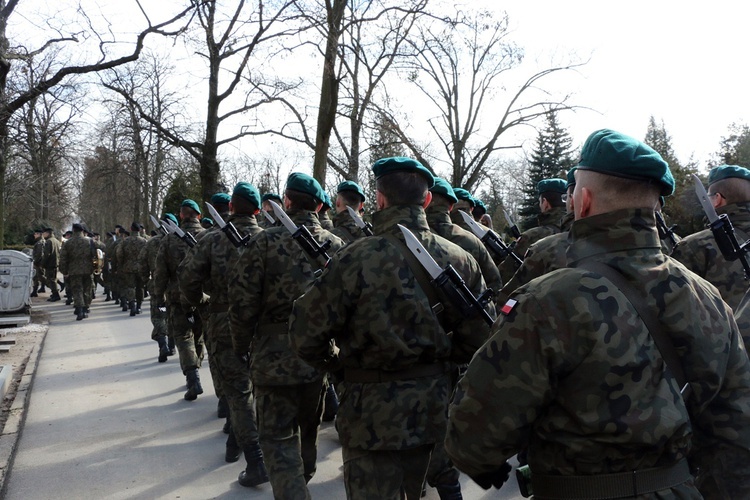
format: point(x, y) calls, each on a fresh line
point(162, 307)
point(496, 478)
point(190, 317)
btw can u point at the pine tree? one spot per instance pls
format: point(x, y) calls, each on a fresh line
point(552, 156)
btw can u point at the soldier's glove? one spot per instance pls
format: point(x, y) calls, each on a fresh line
point(190, 316)
point(496, 478)
point(162, 308)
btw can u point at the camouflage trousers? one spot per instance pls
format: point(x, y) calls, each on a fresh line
point(81, 287)
point(38, 277)
point(233, 378)
point(158, 321)
point(188, 337)
point(385, 474)
point(288, 421)
point(131, 287)
point(50, 279)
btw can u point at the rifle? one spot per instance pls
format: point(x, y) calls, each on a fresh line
point(491, 239)
point(228, 228)
point(302, 235)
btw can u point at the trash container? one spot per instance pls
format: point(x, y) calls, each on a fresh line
point(16, 279)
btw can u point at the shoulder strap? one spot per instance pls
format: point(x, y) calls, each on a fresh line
point(637, 299)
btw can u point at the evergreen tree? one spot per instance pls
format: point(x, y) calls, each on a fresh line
point(551, 157)
point(735, 148)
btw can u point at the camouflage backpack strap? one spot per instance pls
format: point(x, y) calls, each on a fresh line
point(638, 300)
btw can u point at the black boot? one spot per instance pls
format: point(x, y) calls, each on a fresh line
point(222, 410)
point(138, 308)
point(68, 301)
point(131, 304)
point(33, 293)
point(79, 314)
point(255, 473)
point(108, 297)
point(76, 310)
point(449, 491)
point(117, 302)
point(61, 284)
point(227, 426)
point(42, 289)
point(233, 451)
point(54, 297)
point(86, 312)
point(163, 349)
point(171, 346)
point(331, 404)
point(124, 305)
point(193, 384)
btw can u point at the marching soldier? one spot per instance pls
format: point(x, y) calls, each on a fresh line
point(77, 265)
point(263, 221)
point(51, 261)
point(37, 255)
point(128, 267)
point(348, 194)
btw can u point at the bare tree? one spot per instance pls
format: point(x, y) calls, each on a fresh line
point(107, 55)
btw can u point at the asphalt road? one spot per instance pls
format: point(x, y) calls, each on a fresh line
point(105, 420)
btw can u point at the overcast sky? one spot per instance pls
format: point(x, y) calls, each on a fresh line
point(682, 62)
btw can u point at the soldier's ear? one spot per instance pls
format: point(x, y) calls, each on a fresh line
point(427, 199)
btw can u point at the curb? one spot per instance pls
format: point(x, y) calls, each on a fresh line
point(17, 416)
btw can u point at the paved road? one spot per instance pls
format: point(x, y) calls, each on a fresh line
point(106, 420)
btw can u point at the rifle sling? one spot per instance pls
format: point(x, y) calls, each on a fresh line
point(638, 300)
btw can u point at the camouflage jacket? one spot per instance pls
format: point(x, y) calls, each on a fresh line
point(207, 267)
point(51, 258)
point(37, 252)
point(701, 255)
point(77, 255)
point(147, 260)
point(572, 372)
point(272, 272)
point(325, 220)
point(440, 223)
point(128, 253)
point(549, 223)
point(171, 252)
point(345, 228)
point(369, 301)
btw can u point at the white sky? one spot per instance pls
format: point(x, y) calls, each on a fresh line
point(683, 62)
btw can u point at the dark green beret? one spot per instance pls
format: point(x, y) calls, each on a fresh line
point(351, 186)
point(326, 200)
point(77, 227)
point(271, 196)
point(305, 184)
point(479, 209)
point(170, 217)
point(191, 204)
point(250, 193)
point(571, 177)
point(220, 199)
point(551, 185)
point(727, 171)
point(612, 153)
point(463, 194)
point(386, 166)
point(442, 187)
point(207, 221)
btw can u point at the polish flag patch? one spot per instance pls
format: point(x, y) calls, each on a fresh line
point(508, 307)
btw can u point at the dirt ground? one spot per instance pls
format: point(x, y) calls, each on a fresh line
point(28, 340)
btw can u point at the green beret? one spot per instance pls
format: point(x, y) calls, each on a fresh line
point(271, 196)
point(207, 221)
point(170, 217)
point(571, 177)
point(386, 166)
point(305, 184)
point(326, 200)
point(249, 192)
point(191, 204)
point(727, 171)
point(551, 185)
point(612, 153)
point(220, 199)
point(479, 209)
point(442, 187)
point(351, 186)
point(463, 194)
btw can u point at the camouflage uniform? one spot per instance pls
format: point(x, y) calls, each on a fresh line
point(208, 267)
point(51, 262)
point(345, 228)
point(188, 336)
point(325, 220)
point(111, 256)
point(147, 259)
point(572, 371)
point(395, 353)
point(700, 254)
point(99, 276)
point(549, 223)
point(128, 266)
point(271, 273)
point(38, 256)
point(77, 263)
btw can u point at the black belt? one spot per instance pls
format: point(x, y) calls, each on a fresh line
point(358, 376)
point(620, 485)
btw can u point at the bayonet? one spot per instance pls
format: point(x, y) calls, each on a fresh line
point(512, 225)
point(722, 229)
point(665, 232)
point(366, 227)
point(186, 237)
point(448, 281)
point(302, 235)
point(270, 219)
point(490, 239)
point(227, 228)
point(156, 223)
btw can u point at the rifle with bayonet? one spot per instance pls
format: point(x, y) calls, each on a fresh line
point(160, 227)
point(514, 231)
point(366, 227)
point(228, 228)
point(302, 235)
point(449, 282)
point(186, 237)
point(665, 232)
point(490, 239)
point(722, 229)
point(270, 219)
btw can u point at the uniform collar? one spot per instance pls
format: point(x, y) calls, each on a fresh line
point(411, 216)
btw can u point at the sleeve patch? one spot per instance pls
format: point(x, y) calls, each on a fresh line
point(508, 307)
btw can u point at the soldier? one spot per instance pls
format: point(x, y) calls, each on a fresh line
point(207, 222)
point(119, 237)
point(184, 323)
point(466, 203)
point(573, 370)
point(348, 194)
point(128, 263)
point(325, 218)
point(77, 257)
point(263, 221)
point(729, 192)
point(271, 273)
point(206, 269)
point(395, 349)
point(37, 255)
point(147, 261)
point(98, 269)
point(51, 261)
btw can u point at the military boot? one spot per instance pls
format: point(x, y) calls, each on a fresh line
point(233, 450)
point(42, 289)
point(138, 307)
point(193, 384)
point(117, 302)
point(86, 312)
point(80, 315)
point(124, 305)
point(222, 409)
point(33, 293)
point(449, 491)
point(108, 297)
point(331, 404)
point(61, 284)
point(131, 305)
point(76, 310)
point(68, 301)
point(171, 346)
point(255, 473)
point(163, 349)
point(54, 297)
